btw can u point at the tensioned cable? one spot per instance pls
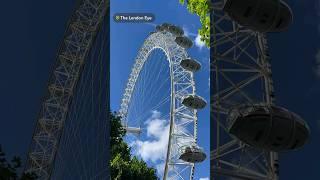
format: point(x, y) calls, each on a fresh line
point(151, 93)
point(148, 85)
point(83, 151)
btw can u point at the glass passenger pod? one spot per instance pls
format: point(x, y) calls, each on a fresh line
point(184, 42)
point(194, 102)
point(166, 26)
point(260, 15)
point(192, 154)
point(270, 128)
point(190, 65)
point(175, 30)
point(159, 28)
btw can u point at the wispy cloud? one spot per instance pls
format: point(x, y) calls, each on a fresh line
point(198, 42)
point(155, 148)
point(195, 36)
point(206, 178)
point(188, 33)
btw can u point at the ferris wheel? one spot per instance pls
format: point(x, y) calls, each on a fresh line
point(159, 104)
point(249, 129)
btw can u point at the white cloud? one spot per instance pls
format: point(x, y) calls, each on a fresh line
point(200, 44)
point(160, 168)
point(155, 128)
point(155, 114)
point(155, 148)
point(206, 178)
point(188, 33)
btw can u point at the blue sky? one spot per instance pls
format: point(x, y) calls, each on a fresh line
point(126, 39)
point(295, 65)
point(28, 47)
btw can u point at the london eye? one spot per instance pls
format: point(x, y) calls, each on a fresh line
point(161, 90)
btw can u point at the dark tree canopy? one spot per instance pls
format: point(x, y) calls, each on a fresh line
point(9, 169)
point(122, 165)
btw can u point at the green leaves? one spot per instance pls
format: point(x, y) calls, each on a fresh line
point(202, 9)
point(140, 170)
point(16, 161)
point(182, 2)
point(9, 170)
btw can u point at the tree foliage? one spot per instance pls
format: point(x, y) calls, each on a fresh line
point(202, 9)
point(122, 165)
point(9, 169)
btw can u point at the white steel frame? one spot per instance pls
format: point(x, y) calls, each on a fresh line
point(78, 38)
point(182, 84)
point(238, 52)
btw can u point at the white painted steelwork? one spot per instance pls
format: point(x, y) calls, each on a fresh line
point(240, 74)
point(182, 84)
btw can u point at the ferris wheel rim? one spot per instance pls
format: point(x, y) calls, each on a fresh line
point(137, 69)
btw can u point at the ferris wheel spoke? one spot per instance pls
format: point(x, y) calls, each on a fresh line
point(145, 102)
point(154, 107)
point(143, 114)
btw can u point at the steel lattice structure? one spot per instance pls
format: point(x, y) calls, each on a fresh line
point(240, 74)
point(79, 36)
point(182, 84)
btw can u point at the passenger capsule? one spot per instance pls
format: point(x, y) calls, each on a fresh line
point(175, 30)
point(194, 101)
point(260, 15)
point(159, 28)
point(166, 26)
point(270, 128)
point(184, 41)
point(190, 65)
point(192, 154)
